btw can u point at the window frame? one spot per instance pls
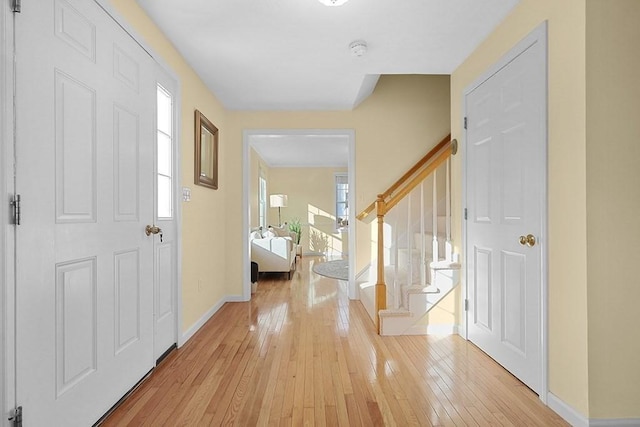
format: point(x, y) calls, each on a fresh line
point(342, 214)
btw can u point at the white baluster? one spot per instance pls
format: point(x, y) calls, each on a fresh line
point(423, 252)
point(409, 247)
point(434, 211)
point(449, 245)
point(396, 285)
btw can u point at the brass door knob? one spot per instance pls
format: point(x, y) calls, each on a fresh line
point(152, 229)
point(528, 240)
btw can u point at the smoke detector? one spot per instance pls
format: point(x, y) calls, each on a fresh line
point(358, 47)
point(333, 2)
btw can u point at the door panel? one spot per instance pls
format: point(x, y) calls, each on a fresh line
point(513, 300)
point(76, 323)
point(505, 190)
point(75, 141)
point(126, 146)
point(127, 299)
point(483, 286)
point(85, 138)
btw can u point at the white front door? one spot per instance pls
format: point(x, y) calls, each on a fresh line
point(506, 199)
point(85, 171)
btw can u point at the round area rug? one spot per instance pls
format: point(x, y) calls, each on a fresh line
point(338, 269)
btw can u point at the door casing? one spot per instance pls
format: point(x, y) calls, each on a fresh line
point(539, 35)
point(351, 171)
point(4, 48)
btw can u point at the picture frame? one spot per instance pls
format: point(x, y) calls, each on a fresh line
point(206, 152)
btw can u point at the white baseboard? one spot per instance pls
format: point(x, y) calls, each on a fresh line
point(576, 419)
point(235, 298)
point(625, 422)
point(186, 336)
point(569, 414)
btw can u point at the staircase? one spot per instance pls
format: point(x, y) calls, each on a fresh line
point(415, 267)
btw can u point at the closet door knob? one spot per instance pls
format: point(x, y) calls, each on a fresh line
point(528, 240)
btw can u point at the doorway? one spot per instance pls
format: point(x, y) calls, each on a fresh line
point(346, 135)
point(506, 208)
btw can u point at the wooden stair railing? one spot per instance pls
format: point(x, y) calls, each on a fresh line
point(415, 168)
point(394, 195)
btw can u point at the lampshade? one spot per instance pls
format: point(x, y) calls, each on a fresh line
point(278, 200)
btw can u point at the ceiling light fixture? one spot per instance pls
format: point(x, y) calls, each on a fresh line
point(358, 47)
point(333, 2)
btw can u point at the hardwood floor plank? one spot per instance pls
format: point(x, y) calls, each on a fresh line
point(301, 353)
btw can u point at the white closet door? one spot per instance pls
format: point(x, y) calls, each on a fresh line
point(506, 192)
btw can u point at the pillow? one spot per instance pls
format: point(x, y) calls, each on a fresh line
point(269, 233)
point(255, 235)
point(280, 231)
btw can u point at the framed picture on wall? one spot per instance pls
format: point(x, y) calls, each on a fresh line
point(206, 152)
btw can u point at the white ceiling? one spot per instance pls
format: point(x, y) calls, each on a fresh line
point(294, 54)
point(302, 150)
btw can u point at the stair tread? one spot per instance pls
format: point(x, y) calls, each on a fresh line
point(419, 289)
point(395, 312)
point(444, 264)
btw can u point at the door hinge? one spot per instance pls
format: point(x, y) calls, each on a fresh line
point(15, 205)
point(466, 305)
point(465, 213)
point(16, 6)
point(465, 122)
point(16, 419)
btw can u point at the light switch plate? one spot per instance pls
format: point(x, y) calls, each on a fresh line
point(186, 194)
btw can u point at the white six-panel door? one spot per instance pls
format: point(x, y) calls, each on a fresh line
point(85, 150)
point(505, 182)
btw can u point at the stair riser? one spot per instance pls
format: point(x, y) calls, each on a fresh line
point(419, 304)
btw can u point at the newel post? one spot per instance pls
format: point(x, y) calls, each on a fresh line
point(381, 288)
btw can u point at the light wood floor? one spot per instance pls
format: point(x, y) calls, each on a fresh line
point(300, 353)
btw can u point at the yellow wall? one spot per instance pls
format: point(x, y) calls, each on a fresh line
point(204, 252)
point(591, 351)
point(613, 204)
point(405, 115)
point(567, 193)
point(311, 199)
point(394, 127)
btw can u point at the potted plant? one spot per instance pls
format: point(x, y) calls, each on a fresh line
point(296, 227)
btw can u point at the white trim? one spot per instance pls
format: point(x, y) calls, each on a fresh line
point(178, 215)
point(189, 333)
point(186, 335)
point(124, 24)
point(4, 49)
point(7, 234)
point(246, 141)
point(538, 35)
point(569, 414)
point(167, 81)
point(613, 422)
